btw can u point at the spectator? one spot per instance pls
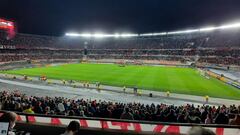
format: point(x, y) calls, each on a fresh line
point(18, 107)
point(200, 131)
point(221, 119)
point(82, 114)
point(72, 129)
point(61, 108)
point(38, 108)
point(127, 115)
point(171, 116)
point(10, 117)
point(236, 120)
point(208, 120)
point(136, 115)
point(71, 113)
point(47, 110)
point(28, 110)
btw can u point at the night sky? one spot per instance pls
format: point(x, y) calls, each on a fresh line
point(55, 17)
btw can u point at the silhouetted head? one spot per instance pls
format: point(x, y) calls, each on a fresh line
point(73, 126)
point(200, 131)
point(10, 117)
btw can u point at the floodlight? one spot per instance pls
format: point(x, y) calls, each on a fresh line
point(235, 25)
point(208, 29)
point(86, 35)
point(116, 35)
point(99, 35)
point(153, 34)
point(73, 34)
point(184, 31)
point(128, 35)
point(159, 34)
point(146, 34)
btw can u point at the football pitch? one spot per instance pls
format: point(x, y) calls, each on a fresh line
point(173, 79)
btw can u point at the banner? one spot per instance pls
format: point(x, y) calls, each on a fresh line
point(137, 127)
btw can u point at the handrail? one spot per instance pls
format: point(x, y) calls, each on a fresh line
point(128, 121)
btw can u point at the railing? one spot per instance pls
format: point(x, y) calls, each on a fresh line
point(146, 127)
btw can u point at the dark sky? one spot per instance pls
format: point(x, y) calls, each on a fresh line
point(55, 17)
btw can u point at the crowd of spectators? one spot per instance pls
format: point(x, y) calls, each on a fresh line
point(212, 47)
point(16, 101)
point(216, 39)
point(225, 57)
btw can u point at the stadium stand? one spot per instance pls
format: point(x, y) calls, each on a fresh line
point(46, 115)
point(218, 47)
point(19, 102)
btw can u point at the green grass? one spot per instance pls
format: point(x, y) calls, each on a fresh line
point(173, 79)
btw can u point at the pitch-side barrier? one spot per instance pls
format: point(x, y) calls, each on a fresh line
point(116, 125)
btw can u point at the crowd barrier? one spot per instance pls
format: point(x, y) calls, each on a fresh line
point(141, 127)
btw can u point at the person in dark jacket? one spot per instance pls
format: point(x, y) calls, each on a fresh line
point(127, 115)
point(221, 119)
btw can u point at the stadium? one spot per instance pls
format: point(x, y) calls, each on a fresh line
point(122, 83)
